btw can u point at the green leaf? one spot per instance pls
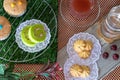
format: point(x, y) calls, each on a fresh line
point(11, 66)
point(9, 70)
point(45, 74)
point(16, 76)
point(26, 73)
point(1, 75)
point(32, 78)
point(12, 78)
point(2, 68)
point(3, 78)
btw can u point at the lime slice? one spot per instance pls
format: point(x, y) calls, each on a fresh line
point(37, 33)
point(25, 38)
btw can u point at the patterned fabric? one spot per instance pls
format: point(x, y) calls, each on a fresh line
point(114, 75)
point(35, 68)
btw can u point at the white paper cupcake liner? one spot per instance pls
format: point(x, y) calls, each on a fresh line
point(73, 60)
point(95, 52)
point(38, 47)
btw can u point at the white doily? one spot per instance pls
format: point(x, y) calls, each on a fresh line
point(38, 47)
point(96, 51)
point(71, 61)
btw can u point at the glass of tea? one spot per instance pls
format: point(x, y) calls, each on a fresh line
point(80, 13)
point(81, 8)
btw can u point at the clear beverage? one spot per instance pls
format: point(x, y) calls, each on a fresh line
point(113, 19)
point(110, 27)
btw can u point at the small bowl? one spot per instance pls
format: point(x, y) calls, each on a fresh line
point(80, 11)
point(79, 19)
point(75, 60)
point(38, 47)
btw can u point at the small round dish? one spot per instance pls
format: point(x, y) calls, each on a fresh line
point(38, 47)
point(95, 52)
point(71, 61)
point(74, 19)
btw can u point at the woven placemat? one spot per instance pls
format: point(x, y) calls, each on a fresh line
point(114, 75)
point(35, 68)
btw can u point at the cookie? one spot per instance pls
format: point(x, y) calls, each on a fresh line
point(15, 8)
point(79, 71)
point(5, 28)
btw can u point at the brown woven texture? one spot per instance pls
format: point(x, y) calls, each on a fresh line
point(65, 31)
point(34, 68)
point(114, 75)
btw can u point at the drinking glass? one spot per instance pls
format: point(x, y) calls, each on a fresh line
point(80, 12)
point(110, 26)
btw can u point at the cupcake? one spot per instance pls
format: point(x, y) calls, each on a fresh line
point(33, 35)
point(5, 28)
point(15, 8)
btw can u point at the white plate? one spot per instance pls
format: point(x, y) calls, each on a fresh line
point(38, 47)
point(93, 69)
point(96, 51)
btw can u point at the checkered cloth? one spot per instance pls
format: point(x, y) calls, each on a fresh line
point(35, 68)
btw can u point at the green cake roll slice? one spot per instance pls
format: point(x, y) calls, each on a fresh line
point(25, 38)
point(37, 33)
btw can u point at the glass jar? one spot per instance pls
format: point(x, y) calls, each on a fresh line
point(110, 26)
